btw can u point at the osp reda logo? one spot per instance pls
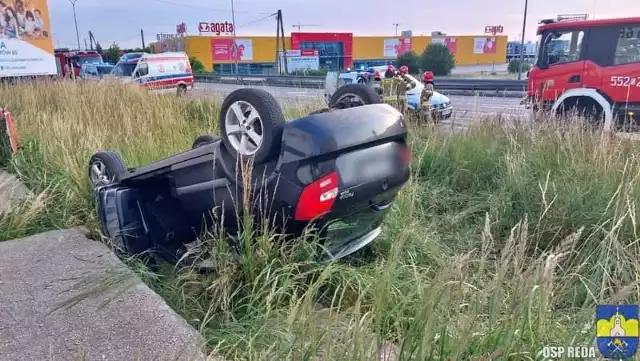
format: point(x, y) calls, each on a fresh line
point(4, 50)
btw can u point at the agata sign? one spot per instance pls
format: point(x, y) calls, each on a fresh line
point(216, 28)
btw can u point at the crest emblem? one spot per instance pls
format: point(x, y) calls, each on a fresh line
point(617, 331)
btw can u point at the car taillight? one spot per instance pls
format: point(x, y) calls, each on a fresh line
point(317, 198)
point(406, 155)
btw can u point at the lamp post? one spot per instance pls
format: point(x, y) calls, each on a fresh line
point(75, 20)
point(396, 25)
point(235, 46)
point(524, 27)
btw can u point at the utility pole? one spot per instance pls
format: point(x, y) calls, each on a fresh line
point(281, 49)
point(524, 28)
point(396, 25)
point(235, 46)
point(142, 37)
point(75, 20)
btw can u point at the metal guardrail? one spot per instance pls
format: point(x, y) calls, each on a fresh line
point(317, 82)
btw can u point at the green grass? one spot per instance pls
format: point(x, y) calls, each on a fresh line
point(501, 243)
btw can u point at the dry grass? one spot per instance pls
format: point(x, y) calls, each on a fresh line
point(501, 243)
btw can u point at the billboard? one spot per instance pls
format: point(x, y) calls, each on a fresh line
point(449, 42)
point(484, 45)
point(298, 60)
point(223, 49)
point(26, 47)
point(394, 47)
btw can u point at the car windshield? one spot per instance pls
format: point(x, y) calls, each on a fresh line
point(124, 69)
point(105, 69)
point(538, 46)
point(88, 59)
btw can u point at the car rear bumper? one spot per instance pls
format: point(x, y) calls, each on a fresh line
point(352, 246)
point(443, 112)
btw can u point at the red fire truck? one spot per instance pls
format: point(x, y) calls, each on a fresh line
point(66, 58)
point(588, 66)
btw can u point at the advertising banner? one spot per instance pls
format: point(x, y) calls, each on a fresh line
point(449, 42)
point(26, 47)
point(223, 49)
point(484, 45)
point(298, 61)
point(394, 47)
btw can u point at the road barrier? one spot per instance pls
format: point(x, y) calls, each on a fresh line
point(317, 82)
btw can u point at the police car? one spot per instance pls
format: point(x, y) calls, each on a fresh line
point(440, 104)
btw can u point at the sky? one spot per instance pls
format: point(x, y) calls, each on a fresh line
point(120, 21)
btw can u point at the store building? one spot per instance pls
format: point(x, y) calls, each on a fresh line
point(257, 54)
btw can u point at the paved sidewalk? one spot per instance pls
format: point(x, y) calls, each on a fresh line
point(65, 297)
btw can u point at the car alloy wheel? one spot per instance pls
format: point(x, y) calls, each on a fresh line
point(244, 128)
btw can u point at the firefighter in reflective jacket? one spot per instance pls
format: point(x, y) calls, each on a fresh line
point(425, 97)
point(403, 84)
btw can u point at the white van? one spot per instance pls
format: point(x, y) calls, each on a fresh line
point(163, 72)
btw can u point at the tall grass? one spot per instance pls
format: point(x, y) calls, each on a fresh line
point(500, 244)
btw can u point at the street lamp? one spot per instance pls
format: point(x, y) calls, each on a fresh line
point(396, 25)
point(235, 46)
point(75, 20)
point(524, 27)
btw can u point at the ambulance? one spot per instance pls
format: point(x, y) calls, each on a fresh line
point(164, 72)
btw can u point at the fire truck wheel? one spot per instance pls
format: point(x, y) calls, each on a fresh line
point(587, 109)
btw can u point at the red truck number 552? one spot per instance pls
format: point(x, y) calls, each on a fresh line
point(625, 81)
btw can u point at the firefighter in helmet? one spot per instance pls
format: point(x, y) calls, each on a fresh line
point(403, 84)
point(425, 96)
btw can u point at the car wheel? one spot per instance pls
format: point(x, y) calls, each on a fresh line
point(182, 90)
point(353, 95)
point(251, 123)
point(105, 168)
point(361, 80)
point(204, 140)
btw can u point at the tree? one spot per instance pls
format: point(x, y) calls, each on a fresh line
point(112, 55)
point(514, 66)
point(99, 48)
point(196, 65)
point(438, 59)
point(411, 60)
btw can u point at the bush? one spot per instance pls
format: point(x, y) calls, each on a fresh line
point(514, 66)
point(310, 72)
point(438, 59)
point(196, 65)
point(411, 60)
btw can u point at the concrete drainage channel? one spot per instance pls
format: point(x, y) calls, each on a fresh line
point(66, 297)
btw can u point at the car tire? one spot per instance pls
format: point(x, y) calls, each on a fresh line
point(247, 141)
point(182, 90)
point(204, 140)
point(105, 168)
point(353, 95)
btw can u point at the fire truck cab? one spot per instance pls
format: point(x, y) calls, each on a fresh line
point(66, 59)
point(588, 66)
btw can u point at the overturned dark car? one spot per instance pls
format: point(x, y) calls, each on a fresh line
point(339, 171)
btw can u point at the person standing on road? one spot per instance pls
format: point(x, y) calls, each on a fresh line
point(402, 84)
point(425, 97)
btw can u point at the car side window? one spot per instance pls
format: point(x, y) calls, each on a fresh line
point(564, 46)
point(143, 69)
point(628, 46)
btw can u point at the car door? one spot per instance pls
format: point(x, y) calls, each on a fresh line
point(561, 63)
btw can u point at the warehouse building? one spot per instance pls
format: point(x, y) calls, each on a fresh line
point(257, 54)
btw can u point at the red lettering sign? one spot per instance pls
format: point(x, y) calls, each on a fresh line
point(493, 29)
point(216, 28)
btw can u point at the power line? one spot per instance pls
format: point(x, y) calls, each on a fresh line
point(256, 20)
point(207, 8)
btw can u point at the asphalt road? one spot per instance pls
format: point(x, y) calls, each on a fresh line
point(466, 108)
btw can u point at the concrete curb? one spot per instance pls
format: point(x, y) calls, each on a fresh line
point(66, 297)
